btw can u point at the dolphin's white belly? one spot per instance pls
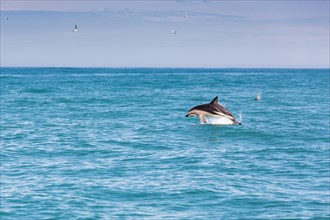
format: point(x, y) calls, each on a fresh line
point(217, 120)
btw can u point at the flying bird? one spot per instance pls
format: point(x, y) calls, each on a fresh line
point(75, 28)
point(212, 113)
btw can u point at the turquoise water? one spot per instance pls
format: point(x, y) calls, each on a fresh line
point(98, 143)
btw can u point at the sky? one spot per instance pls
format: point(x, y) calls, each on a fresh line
point(215, 34)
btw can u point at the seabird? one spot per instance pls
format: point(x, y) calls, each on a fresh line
point(75, 28)
point(173, 31)
point(212, 113)
point(258, 98)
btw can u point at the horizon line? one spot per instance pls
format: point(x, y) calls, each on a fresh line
point(172, 67)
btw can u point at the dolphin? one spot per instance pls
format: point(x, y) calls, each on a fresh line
point(212, 113)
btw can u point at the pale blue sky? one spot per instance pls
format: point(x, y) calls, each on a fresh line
point(138, 33)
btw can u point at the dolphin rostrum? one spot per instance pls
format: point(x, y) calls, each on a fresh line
point(212, 113)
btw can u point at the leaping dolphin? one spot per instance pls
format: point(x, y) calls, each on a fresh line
point(213, 113)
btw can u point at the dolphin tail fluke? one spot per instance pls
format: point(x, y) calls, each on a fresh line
point(237, 123)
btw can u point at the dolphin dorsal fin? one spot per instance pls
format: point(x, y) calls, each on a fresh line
point(214, 101)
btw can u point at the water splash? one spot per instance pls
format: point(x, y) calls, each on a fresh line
point(240, 118)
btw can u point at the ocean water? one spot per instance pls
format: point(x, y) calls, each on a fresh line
point(100, 143)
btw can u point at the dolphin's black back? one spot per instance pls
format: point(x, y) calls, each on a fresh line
point(206, 107)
